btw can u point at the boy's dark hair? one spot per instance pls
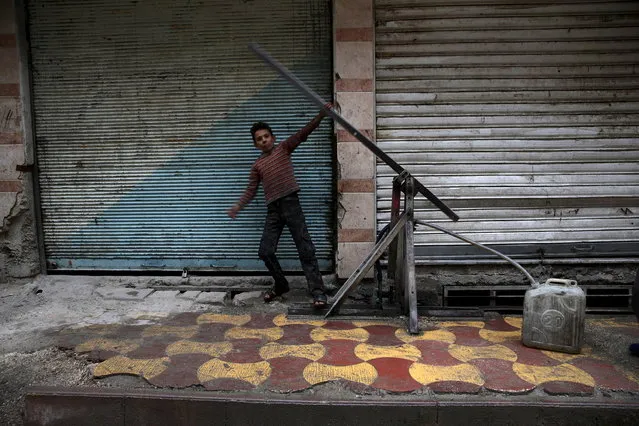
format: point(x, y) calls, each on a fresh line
point(260, 125)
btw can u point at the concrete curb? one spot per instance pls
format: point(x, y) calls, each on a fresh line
point(102, 407)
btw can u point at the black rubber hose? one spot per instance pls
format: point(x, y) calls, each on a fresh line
point(468, 240)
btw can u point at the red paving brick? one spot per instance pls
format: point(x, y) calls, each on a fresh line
point(530, 356)
point(209, 333)
point(500, 377)
point(286, 375)
point(499, 325)
point(339, 325)
point(244, 351)
point(152, 348)
point(340, 352)
point(394, 375)
point(181, 371)
point(260, 321)
point(436, 353)
point(606, 376)
point(382, 335)
point(567, 388)
point(296, 334)
point(468, 336)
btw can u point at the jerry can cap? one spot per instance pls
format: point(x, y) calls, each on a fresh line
point(560, 281)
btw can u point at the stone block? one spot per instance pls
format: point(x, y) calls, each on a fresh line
point(123, 293)
point(247, 298)
point(189, 295)
point(163, 295)
point(211, 297)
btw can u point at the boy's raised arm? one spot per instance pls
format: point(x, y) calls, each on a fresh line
point(293, 142)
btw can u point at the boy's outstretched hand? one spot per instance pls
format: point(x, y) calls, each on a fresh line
point(328, 105)
point(232, 212)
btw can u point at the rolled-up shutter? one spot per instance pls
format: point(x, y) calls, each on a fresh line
point(142, 117)
point(522, 116)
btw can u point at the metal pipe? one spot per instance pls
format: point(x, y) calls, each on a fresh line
point(468, 240)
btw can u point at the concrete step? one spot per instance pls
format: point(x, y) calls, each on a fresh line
point(141, 407)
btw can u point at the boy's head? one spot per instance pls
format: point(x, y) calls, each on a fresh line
point(263, 137)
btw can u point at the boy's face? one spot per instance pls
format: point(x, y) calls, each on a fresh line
point(264, 141)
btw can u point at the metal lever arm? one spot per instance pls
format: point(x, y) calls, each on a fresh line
point(317, 100)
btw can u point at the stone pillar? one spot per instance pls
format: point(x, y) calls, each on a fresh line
point(18, 247)
point(355, 94)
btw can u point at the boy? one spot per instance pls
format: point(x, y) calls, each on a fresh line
point(275, 170)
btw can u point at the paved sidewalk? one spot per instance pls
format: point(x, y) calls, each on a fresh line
point(121, 333)
point(273, 353)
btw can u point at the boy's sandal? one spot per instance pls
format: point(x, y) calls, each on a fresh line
point(270, 294)
point(319, 301)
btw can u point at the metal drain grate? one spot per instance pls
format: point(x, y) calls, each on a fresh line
point(599, 298)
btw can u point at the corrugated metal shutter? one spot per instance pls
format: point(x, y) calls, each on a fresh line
point(522, 116)
point(143, 111)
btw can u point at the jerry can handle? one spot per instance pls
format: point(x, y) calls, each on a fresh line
point(561, 281)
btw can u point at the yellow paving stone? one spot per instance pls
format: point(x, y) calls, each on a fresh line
point(237, 320)
point(271, 334)
point(253, 373)
point(356, 334)
point(119, 346)
point(182, 331)
point(440, 335)
point(537, 375)
point(146, 368)
point(282, 320)
point(364, 373)
point(467, 353)
point(313, 351)
point(586, 351)
point(189, 347)
point(631, 376)
point(499, 336)
point(514, 321)
point(475, 324)
point(426, 373)
point(366, 352)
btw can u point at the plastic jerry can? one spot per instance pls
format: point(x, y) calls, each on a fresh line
point(554, 316)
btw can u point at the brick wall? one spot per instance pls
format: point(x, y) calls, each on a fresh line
point(355, 93)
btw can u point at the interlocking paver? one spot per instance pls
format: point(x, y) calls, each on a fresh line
point(276, 353)
point(394, 375)
point(500, 376)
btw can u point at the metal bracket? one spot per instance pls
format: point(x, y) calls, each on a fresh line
point(366, 265)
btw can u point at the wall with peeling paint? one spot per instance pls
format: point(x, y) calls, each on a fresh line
point(18, 247)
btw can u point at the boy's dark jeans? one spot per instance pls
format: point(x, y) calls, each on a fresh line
point(287, 211)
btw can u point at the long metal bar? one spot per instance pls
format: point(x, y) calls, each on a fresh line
point(362, 269)
point(321, 103)
point(410, 286)
point(395, 208)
